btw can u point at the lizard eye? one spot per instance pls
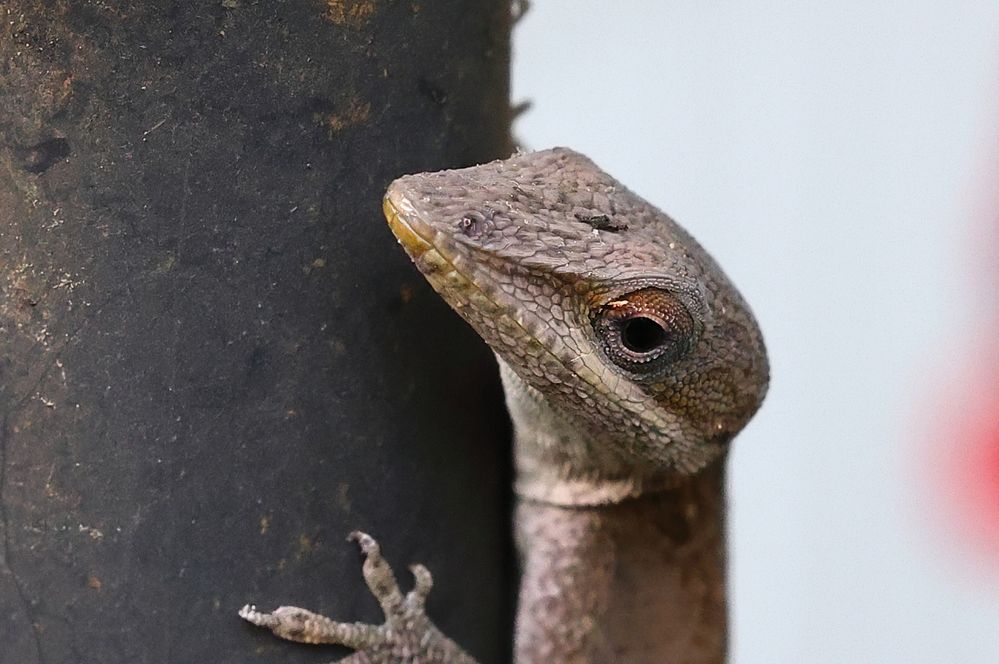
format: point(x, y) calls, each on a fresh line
point(644, 331)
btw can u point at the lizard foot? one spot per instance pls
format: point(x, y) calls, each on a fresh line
point(406, 636)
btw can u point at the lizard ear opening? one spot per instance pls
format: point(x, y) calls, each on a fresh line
point(645, 331)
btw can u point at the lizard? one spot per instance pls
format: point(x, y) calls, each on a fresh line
point(629, 362)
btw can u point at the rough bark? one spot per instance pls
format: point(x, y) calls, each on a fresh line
point(214, 361)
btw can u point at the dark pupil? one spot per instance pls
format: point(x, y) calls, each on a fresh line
point(641, 335)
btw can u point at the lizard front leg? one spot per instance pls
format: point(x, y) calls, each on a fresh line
point(407, 635)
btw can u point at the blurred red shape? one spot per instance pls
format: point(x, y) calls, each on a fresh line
point(974, 468)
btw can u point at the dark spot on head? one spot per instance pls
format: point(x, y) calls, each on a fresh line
point(41, 156)
point(602, 222)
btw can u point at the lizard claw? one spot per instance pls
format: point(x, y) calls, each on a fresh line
point(249, 613)
point(407, 635)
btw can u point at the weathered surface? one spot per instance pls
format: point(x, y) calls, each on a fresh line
point(213, 361)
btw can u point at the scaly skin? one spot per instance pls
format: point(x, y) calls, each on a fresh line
point(629, 362)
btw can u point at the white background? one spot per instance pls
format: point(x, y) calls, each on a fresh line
point(837, 158)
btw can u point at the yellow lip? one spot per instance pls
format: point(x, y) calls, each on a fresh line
point(411, 241)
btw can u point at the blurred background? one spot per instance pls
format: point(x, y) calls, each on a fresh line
point(841, 161)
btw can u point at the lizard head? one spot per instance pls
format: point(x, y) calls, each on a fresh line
point(606, 315)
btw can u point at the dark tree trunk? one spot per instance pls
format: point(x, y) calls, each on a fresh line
point(215, 362)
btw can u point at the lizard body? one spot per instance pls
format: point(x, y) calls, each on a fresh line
point(629, 361)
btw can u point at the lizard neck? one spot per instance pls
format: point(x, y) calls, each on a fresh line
point(555, 462)
point(641, 581)
point(618, 565)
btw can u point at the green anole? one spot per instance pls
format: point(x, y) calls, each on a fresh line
point(629, 362)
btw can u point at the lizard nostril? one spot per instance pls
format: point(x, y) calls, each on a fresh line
point(470, 226)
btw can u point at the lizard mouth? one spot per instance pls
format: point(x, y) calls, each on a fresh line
point(448, 272)
point(406, 227)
